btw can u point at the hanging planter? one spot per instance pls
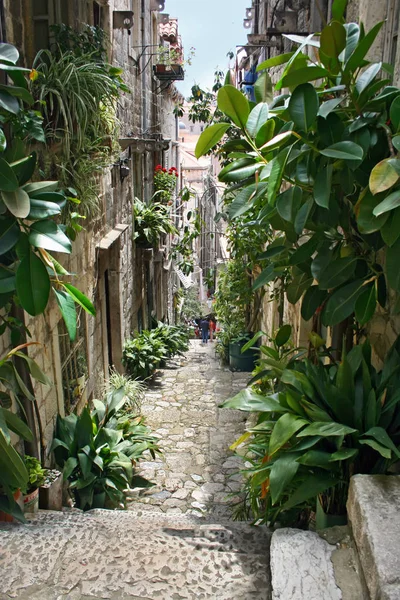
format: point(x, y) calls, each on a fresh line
point(169, 72)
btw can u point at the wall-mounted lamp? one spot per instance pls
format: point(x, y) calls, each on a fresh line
point(124, 170)
point(158, 5)
point(250, 13)
point(247, 23)
point(122, 19)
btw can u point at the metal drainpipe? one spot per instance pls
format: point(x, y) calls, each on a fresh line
point(144, 94)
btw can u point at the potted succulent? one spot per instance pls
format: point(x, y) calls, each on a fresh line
point(36, 477)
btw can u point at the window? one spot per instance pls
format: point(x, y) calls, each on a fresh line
point(73, 357)
point(392, 31)
point(97, 10)
point(46, 13)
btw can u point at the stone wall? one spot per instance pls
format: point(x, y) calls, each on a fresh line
point(109, 269)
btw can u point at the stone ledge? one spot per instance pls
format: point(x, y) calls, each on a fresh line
point(373, 510)
point(301, 567)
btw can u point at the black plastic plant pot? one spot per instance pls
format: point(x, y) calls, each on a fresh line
point(239, 361)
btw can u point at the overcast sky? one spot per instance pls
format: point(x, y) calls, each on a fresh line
point(213, 27)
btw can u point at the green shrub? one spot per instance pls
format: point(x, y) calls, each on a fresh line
point(98, 449)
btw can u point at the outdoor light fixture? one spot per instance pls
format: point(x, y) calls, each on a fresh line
point(250, 13)
point(247, 23)
point(163, 18)
point(123, 169)
point(122, 19)
point(158, 5)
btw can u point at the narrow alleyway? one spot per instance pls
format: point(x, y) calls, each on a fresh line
point(177, 541)
point(197, 473)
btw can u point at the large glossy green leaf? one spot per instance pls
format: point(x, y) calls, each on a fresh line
point(299, 76)
point(67, 307)
point(8, 102)
point(322, 186)
point(275, 61)
point(326, 430)
point(46, 234)
point(18, 202)
point(275, 178)
point(8, 179)
point(24, 168)
point(390, 231)
point(297, 287)
point(17, 425)
point(360, 51)
point(265, 133)
point(367, 77)
point(366, 305)
point(276, 141)
point(210, 137)
point(234, 104)
point(233, 175)
point(395, 113)
point(381, 436)
point(40, 186)
point(340, 271)
point(285, 427)
point(327, 107)
point(341, 303)
point(338, 9)
point(310, 487)
point(333, 39)
point(7, 280)
point(305, 251)
point(344, 151)
point(282, 472)
point(80, 298)
point(266, 276)
point(40, 209)
point(352, 37)
point(384, 175)
point(9, 234)
point(303, 106)
point(12, 468)
point(367, 221)
point(389, 203)
point(312, 300)
point(33, 284)
point(9, 53)
point(303, 215)
point(383, 451)
point(257, 118)
point(283, 335)
point(288, 203)
point(263, 88)
point(249, 401)
point(392, 267)
point(316, 458)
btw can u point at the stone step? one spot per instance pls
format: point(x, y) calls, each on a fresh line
point(304, 566)
point(373, 510)
point(118, 555)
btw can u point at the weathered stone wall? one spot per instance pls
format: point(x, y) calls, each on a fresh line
point(96, 261)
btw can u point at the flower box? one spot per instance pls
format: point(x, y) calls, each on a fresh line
point(169, 72)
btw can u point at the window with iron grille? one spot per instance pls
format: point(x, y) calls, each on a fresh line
point(73, 357)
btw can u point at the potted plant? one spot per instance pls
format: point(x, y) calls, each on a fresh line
point(151, 221)
point(36, 478)
point(164, 183)
point(50, 491)
point(170, 62)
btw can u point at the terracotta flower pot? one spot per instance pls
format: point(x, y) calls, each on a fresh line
point(5, 517)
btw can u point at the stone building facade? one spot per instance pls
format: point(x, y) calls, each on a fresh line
point(128, 286)
point(266, 21)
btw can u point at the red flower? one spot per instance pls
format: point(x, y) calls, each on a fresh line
point(158, 168)
point(164, 170)
point(177, 175)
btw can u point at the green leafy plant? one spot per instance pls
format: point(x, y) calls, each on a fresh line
point(143, 354)
point(333, 144)
point(98, 450)
point(323, 424)
point(36, 473)
point(164, 184)
point(151, 222)
point(133, 389)
point(175, 338)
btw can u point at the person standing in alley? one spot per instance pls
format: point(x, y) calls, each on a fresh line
point(212, 329)
point(204, 326)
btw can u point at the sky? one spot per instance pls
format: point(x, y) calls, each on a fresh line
point(213, 27)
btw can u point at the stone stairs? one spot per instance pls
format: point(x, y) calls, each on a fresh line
point(139, 555)
point(120, 555)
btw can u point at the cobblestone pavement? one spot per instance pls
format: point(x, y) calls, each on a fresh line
point(197, 473)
